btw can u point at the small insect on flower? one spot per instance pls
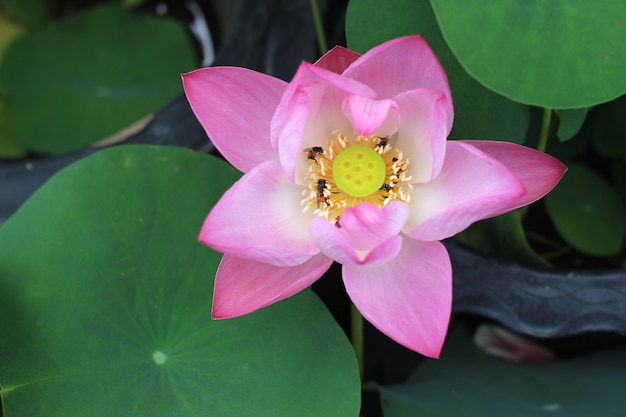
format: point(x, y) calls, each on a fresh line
point(321, 187)
point(385, 187)
point(311, 153)
point(382, 142)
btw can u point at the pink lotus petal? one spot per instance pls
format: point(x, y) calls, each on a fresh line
point(309, 113)
point(260, 218)
point(409, 298)
point(368, 235)
point(366, 225)
point(243, 286)
point(471, 186)
point(332, 242)
point(423, 131)
point(538, 171)
point(383, 253)
point(503, 343)
point(400, 65)
point(368, 115)
point(337, 59)
point(235, 107)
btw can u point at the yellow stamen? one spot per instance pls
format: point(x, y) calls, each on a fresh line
point(367, 169)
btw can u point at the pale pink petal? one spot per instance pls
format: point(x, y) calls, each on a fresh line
point(260, 218)
point(538, 171)
point(368, 236)
point(309, 113)
point(503, 343)
point(243, 286)
point(471, 186)
point(400, 65)
point(368, 115)
point(383, 253)
point(409, 298)
point(366, 225)
point(235, 107)
point(332, 242)
point(423, 132)
point(337, 59)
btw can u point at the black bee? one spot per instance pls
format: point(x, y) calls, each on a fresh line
point(321, 186)
point(382, 142)
point(311, 153)
point(385, 187)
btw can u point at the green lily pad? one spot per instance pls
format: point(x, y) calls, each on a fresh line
point(105, 299)
point(550, 53)
point(588, 212)
point(478, 112)
point(90, 75)
point(468, 382)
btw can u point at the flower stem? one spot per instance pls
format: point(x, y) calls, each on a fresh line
point(319, 27)
point(545, 130)
point(356, 336)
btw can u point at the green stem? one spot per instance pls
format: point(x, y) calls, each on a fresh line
point(356, 336)
point(319, 27)
point(545, 130)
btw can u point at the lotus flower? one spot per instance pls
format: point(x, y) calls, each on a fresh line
point(349, 162)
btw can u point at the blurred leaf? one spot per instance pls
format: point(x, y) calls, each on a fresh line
point(549, 53)
point(479, 113)
point(28, 12)
point(587, 212)
point(573, 149)
point(90, 75)
point(9, 145)
point(466, 382)
point(608, 130)
point(618, 171)
point(132, 3)
point(9, 31)
point(105, 296)
point(570, 122)
point(502, 237)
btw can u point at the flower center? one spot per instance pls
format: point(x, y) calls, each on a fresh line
point(344, 173)
point(359, 171)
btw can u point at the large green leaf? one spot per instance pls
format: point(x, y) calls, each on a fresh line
point(588, 212)
point(105, 300)
point(548, 53)
point(466, 382)
point(90, 75)
point(478, 112)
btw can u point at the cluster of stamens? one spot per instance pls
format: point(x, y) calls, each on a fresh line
point(336, 182)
